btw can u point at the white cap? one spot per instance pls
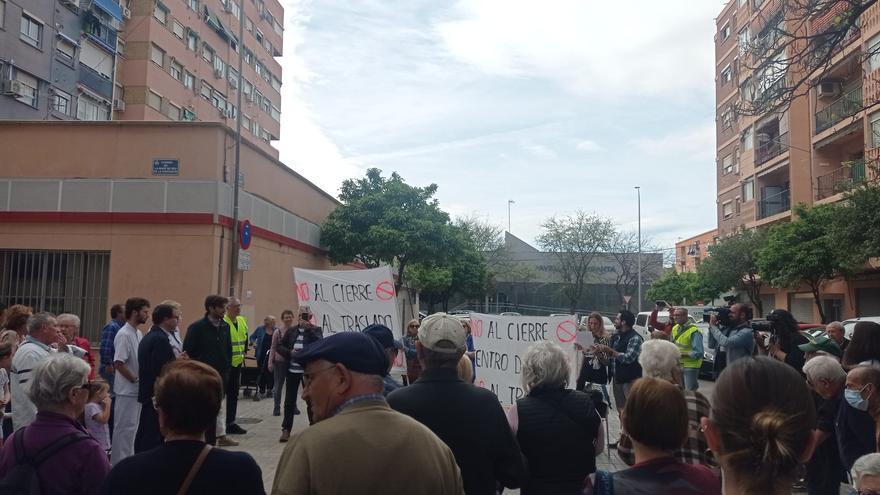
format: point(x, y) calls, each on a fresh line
point(440, 332)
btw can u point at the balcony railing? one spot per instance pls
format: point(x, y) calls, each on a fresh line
point(847, 105)
point(772, 205)
point(100, 31)
point(842, 179)
point(771, 149)
point(96, 82)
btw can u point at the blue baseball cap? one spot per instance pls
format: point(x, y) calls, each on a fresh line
point(384, 335)
point(356, 351)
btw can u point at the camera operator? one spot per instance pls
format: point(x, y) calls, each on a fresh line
point(294, 340)
point(735, 334)
point(785, 339)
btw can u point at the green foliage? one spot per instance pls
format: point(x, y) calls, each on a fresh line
point(858, 224)
point(805, 252)
point(733, 264)
point(681, 288)
point(433, 283)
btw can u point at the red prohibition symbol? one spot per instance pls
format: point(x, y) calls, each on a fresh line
point(566, 331)
point(385, 290)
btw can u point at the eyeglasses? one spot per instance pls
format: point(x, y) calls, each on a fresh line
point(308, 377)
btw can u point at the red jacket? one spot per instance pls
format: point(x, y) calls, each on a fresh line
point(83, 343)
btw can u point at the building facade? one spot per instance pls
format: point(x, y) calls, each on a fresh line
point(811, 150)
point(171, 60)
point(689, 253)
point(148, 213)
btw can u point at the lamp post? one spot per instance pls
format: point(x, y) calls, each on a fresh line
point(639, 256)
point(509, 202)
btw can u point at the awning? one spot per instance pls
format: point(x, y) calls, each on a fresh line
point(111, 7)
point(217, 25)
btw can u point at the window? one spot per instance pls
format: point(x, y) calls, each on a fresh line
point(275, 113)
point(232, 75)
point(276, 84)
point(726, 118)
point(220, 66)
point(727, 209)
point(724, 33)
point(120, 46)
point(249, 24)
point(192, 41)
point(66, 50)
point(236, 10)
point(193, 4)
point(61, 102)
point(259, 35)
point(744, 40)
point(29, 88)
point(154, 100)
point(873, 62)
point(189, 80)
point(178, 29)
point(206, 91)
point(245, 122)
point(875, 130)
point(248, 57)
point(157, 55)
point(188, 115)
point(177, 71)
point(173, 111)
point(218, 100)
point(748, 190)
point(726, 75)
point(747, 140)
point(208, 53)
point(160, 13)
point(727, 164)
point(31, 31)
point(88, 108)
point(277, 26)
point(247, 87)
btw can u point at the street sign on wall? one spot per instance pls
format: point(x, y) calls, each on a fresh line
point(166, 168)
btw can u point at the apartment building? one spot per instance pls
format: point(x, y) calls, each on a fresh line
point(58, 58)
point(810, 151)
point(171, 60)
point(690, 252)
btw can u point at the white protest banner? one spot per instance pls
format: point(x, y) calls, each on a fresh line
point(501, 343)
point(351, 300)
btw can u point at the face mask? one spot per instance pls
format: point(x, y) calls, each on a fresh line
point(855, 399)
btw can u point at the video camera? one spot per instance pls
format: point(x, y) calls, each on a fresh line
point(723, 315)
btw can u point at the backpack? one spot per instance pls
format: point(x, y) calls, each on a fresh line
point(22, 478)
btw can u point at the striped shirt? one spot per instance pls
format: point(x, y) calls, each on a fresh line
point(297, 346)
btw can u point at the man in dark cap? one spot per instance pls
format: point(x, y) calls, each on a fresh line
point(343, 384)
point(469, 419)
point(385, 338)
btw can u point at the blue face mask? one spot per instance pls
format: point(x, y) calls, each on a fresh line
point(855, 399)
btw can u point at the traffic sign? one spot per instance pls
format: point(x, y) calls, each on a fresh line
point(626, 299)
point(244, 260)
point(244, 234)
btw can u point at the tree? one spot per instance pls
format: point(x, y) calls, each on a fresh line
point(432, 282)
point(804, 252)
point(732, 264)
point(789, 41)
point(858, 224)
point(574, 241)
point(624, 248)
point(680, 288)
point(387, 221)
point(462, 272)
point(487, 240)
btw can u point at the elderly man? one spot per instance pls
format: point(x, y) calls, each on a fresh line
point(468, 419)
point(69, 325)
point(355, 433)
point(43, 333)
point(385, 337)
point(238, 335)
point(825, 471)
point(60, 390)
point(837, 333)
point(866, 474)
point(854, 426)
point(689, 340)
point(863, 393)
point(127, 410)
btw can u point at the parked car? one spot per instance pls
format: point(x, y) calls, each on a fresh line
point(509, 313)
point(645, 329)
point(850, 325)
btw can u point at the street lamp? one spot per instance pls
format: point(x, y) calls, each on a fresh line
point(639, 257)
point(509, 202)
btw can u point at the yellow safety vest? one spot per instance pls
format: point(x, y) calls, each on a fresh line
point(683, 340)
point(238, 334)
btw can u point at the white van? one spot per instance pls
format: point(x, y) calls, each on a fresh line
point(645, 329)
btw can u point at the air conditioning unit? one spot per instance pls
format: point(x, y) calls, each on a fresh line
point(10, 87)
point(72, 3)
point(119, 105)
point(126, 12)
point(828, 89)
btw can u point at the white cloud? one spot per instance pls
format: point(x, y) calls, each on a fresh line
point(697, 144)
point(588, 146)
point(610, 49)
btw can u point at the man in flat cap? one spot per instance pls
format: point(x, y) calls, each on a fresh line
point(385, 338)
point(469, 419)
point(355, 434)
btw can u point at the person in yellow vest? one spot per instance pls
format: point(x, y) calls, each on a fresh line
point(689, 340)
point(238, 335)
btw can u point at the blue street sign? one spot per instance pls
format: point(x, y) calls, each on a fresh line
point(244, 236)
point(166, 167)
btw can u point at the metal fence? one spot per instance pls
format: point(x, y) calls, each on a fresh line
point(59, 282)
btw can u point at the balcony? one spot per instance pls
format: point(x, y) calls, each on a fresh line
point(100, 32)
point(842, 179)
point(96, 82)
point(844, 107)
point(771, 149)
point(774, 204)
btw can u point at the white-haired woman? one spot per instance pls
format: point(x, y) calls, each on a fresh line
point(60, 390)
point(660, 359)
point(559, 430)
point(866, 473)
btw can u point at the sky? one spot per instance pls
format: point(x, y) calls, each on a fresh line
point(560, 106)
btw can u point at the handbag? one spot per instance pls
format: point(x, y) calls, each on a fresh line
point(194, 470)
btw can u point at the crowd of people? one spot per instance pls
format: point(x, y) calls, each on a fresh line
point(790, 407)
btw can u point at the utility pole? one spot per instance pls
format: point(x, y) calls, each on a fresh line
point(509, 202)
point(639, 268)
point(233, 253)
